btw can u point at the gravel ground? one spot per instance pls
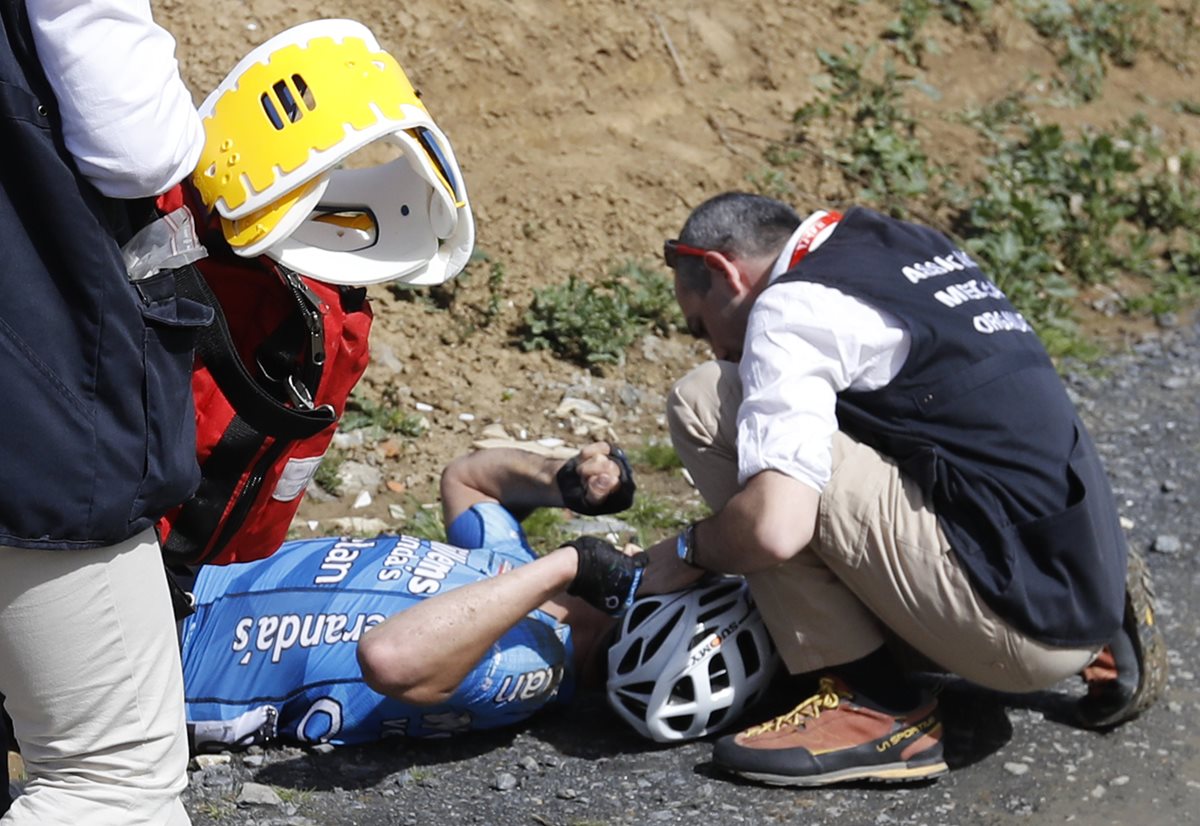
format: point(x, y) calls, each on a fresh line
point(1012, 761)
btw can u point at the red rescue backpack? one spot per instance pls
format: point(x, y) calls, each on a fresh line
point(271, 379)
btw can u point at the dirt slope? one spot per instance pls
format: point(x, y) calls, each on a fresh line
point(586, 129)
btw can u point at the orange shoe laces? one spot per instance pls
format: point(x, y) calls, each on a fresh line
point(827, 698)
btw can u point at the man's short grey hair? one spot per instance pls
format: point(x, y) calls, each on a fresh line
point(740, 224)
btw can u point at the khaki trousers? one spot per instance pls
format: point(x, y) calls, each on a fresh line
point(89, 668)
point(878, 560)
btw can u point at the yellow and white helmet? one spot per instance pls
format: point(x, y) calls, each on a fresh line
point(278, 130)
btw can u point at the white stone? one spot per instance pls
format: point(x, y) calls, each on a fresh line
point(207, 761)
point(256, 794)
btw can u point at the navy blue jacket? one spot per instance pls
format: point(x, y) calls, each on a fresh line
point(97, 429)
point(980, 419)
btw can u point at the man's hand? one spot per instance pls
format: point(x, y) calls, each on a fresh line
point(597, 481)
point(666, 572)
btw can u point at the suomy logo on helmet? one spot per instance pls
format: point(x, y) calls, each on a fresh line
point(713, 643)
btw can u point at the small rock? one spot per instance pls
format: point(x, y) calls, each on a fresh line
point(598, 526)
point(383, 354)
point(528, 764)
point(358, 525)
point(495, 430)
point(566, 794)
point(345, 440)
point(504, 782)
point(216, 777)
point(1016, 768)
point(253, 761)
point(1166, 544)
point(256, 794)
point(207, 761)
point(359, 476)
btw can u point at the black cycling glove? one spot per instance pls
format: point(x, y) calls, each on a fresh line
point(570, 485)
point(607, 579)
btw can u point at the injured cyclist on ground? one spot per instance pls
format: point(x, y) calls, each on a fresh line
point(344, 641)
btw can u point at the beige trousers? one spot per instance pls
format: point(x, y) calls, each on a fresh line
point(878, 560)
point(89, 667)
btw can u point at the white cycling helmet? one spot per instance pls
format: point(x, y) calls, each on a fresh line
point(280, 128)
point(689, 663)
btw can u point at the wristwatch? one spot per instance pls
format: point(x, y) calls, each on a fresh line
point(685, 546)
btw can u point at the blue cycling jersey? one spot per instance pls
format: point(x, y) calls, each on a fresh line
point(271, 649)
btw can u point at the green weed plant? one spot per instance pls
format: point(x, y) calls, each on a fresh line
point(1047, 213)
point(1089, 35)
point(875, 142)
point(593, 323)
point(381, 415)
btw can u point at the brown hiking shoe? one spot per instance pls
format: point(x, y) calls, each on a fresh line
point(829, 738)
point(1131, 671)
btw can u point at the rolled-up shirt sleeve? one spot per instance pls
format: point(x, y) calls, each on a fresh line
point(805, 343)
point(128, 118)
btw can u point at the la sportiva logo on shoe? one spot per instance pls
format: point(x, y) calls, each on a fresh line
point(907, 734)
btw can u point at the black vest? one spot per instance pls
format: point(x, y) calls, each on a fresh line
point(980, 419)
point(97, 429)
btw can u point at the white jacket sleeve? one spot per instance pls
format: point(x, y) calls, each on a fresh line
point(127, 116)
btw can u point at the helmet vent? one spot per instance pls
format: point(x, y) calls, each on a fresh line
point(640, 612)
point(717, 717)
point(679, 724)
point(684, 691)
point(749, 651)
point(656, 642)
point(720, 592)
point(718, 673)
point(636, 706)
point(706, 618)
point(631, 659)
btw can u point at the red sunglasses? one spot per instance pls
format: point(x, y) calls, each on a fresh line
point(673, 251)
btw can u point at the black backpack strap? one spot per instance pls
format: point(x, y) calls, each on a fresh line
point(257, 407)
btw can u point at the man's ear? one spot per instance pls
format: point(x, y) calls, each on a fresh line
point(722, 267)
